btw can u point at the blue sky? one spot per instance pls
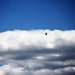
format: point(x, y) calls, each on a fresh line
point(37, 14)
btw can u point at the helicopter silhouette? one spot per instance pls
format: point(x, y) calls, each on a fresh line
point(45, 33)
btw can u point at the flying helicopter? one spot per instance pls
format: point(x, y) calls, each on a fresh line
point(45, 33)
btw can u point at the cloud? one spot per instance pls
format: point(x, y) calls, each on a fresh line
point(34, 53)
point(16, 40)
point(11, 70)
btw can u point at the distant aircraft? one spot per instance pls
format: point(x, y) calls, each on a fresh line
point(45, 33)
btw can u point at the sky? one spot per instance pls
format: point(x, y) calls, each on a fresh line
point(37, 37)
point(37, 14)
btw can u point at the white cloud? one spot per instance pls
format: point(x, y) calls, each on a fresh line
point(34, 53)
point(13, 70)
point(18, 39)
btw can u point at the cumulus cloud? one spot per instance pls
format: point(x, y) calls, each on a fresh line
point(34, 53)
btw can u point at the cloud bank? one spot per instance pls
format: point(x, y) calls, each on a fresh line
point(32, 52)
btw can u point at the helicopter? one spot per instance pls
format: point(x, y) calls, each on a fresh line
point(45, 33)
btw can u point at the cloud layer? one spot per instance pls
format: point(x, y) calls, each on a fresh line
point(34, 53)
